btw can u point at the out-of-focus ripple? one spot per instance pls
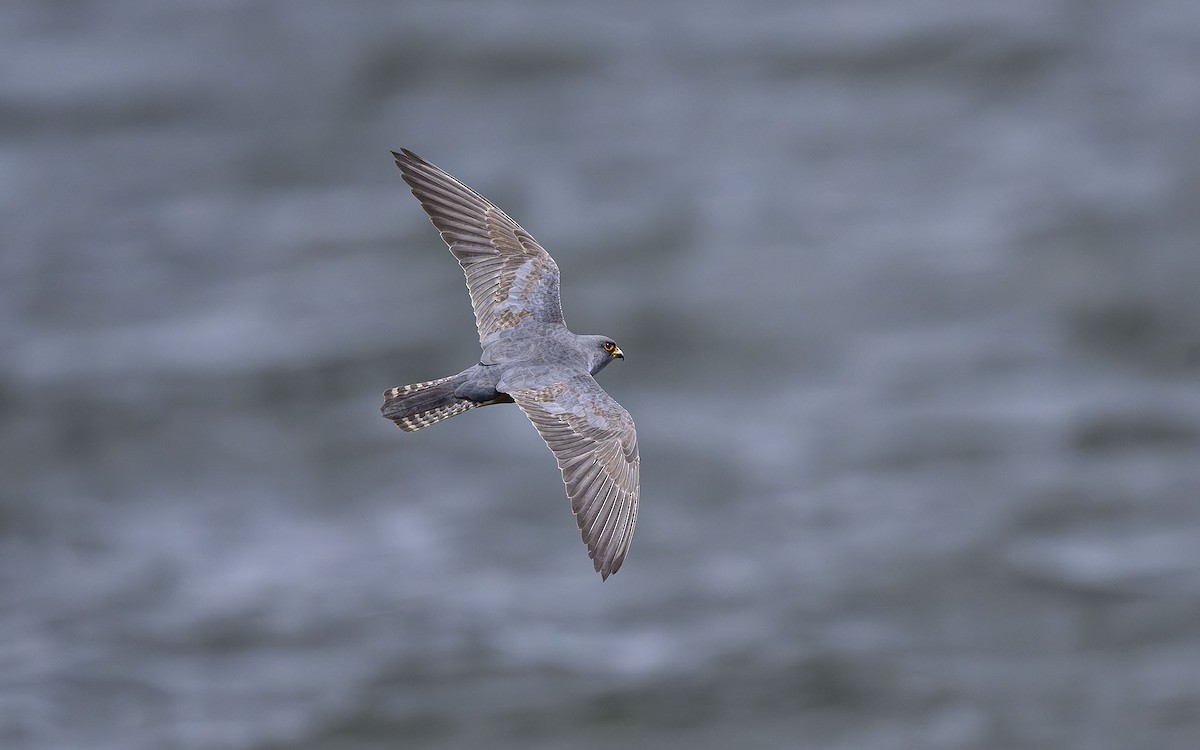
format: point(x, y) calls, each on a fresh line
point(908, 299)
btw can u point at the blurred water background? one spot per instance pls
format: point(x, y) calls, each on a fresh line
point(909, 294)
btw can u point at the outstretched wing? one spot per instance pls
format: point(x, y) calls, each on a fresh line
point(510, 277)
point(593, 438)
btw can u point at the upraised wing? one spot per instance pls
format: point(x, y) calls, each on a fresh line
point(593, 439)
point(510, 276)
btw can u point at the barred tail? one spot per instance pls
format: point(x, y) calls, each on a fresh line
point(419, 405)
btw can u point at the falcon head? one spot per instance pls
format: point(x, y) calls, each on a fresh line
point(600, 351)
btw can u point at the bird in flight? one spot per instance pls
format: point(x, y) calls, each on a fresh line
point(531, 358)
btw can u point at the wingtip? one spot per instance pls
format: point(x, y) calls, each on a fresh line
point(607, 570)
point(409, 165)
point(404, 155)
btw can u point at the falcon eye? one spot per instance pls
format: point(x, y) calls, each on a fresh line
point(608, 346)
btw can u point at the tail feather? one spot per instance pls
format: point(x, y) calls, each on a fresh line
point(419, 405)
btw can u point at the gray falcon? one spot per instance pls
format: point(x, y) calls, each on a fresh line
point(530, 357)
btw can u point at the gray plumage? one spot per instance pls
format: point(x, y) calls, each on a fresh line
point(530, 357)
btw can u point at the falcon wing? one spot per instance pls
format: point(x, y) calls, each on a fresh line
point(592, 437)
point(509, 275)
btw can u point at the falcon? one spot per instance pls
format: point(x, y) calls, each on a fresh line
point(531, 358)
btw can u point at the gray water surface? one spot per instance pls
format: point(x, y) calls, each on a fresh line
point(909, 298)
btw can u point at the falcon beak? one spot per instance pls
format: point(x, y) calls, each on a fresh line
point(617, 353)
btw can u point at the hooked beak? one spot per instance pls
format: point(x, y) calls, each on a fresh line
point(618, 354)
